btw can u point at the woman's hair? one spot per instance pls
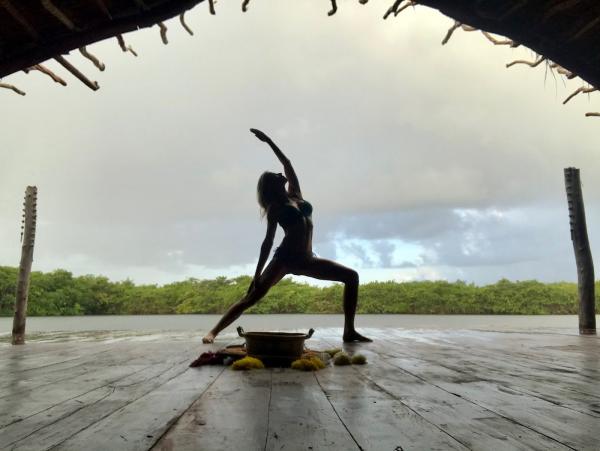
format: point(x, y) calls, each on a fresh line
point(266, 191)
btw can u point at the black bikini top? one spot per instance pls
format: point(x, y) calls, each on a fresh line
point(290, 215)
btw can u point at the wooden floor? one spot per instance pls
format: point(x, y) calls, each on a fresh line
point(421, 390)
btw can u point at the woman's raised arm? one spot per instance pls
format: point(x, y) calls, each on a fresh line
point(290, 174)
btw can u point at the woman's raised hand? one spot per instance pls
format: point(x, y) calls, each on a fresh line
point(260, 135)
point(282, 158)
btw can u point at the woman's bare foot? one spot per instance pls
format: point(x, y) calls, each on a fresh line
point(355, 336)
point(208, 338)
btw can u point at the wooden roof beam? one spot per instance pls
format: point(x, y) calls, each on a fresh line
point(560, 6)
point(16, 15)
point(61, 16)
point(141, 4)
point(584, 30)
point(93, 85)
point(103, 8)
point(517, 6)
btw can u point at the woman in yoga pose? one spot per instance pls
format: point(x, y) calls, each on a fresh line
point(294, 256)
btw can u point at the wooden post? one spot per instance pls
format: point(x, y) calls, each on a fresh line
point(583, 254)
point(27, 239)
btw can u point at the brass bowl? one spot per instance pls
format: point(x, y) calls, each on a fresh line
point(275, 347)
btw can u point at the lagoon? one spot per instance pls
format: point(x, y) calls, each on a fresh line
point(200, 323)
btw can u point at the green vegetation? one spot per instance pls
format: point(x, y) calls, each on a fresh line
point(59, 293)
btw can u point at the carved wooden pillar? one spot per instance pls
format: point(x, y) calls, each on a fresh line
point(28, 240)
point(583, 253)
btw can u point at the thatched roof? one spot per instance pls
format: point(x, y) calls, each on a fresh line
point(564, 33)
point(32, 31)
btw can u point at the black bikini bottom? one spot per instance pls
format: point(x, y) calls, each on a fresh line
point(292, 257)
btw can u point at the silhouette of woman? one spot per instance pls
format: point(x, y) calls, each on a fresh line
point(294, 256)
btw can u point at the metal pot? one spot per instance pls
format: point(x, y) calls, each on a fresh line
point(275, 347)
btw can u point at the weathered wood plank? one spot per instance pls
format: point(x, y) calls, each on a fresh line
point(414, 378)
point(527, 351)
point(378, 420)
point(560, 353)
point(59, 363)
point(546, 385)
point(474, 426)
point(294, 409)
point(231, 415)
point(58, 423)
point(38, 355)
point(144, 421)
point(31, 380)
point(96, 421)
point(27, 380)
point(558, 386)
point(569, 427)
point(301, 417)
point(533, 412)
point(24, 403)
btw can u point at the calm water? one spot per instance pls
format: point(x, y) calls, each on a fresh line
point(200, 323)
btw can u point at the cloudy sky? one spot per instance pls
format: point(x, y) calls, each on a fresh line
point(422, 161)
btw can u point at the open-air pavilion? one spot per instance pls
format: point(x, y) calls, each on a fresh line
point(451, 390)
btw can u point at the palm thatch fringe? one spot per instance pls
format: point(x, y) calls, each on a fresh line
point(13, 88)
point(95, 61)
point(43, 69)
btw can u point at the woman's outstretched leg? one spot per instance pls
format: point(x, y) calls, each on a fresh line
point(272, 274)
point(323, 269)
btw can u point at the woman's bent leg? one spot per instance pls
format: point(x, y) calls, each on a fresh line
point(272, 274)
point(323, 269)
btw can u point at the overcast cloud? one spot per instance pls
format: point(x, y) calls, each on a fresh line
point(422, 161)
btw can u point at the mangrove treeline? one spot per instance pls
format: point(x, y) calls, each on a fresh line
point(60, 293)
